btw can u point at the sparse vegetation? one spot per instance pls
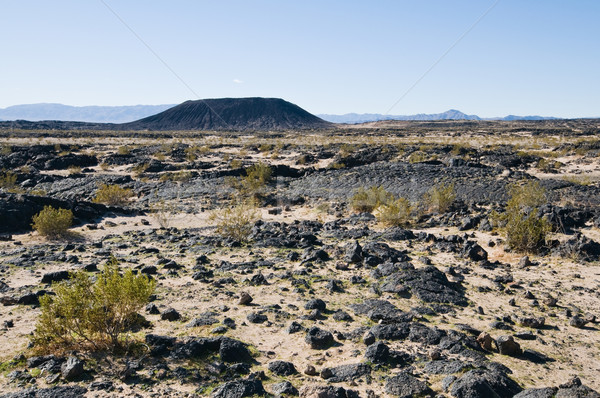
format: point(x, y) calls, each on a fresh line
point(162, 213)
point(440, 198)
point(367, 200)
point(526, 231)
point(8, 180)
point(74, 170)
point(235, 221)
point(139, 169)
point(123, 150)
point(92, 313)
point(52, 222)
point(177, 176)
point(394, 213)
point(112, 195)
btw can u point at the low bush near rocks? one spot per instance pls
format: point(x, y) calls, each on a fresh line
point(440, 198)
point(112, 195)
point(395, 213)
point(8, 180)
point(92, 313)
point(525, 230)
point(235, 221)
point(257, 176)
point(52, 222)
point(367, 200)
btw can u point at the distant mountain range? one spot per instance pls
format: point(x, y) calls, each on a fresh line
point(94, 114)
point(452, 114)
point(239, 114)
point(131, 113)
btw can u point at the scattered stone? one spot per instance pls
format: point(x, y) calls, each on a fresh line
point(485, 341)
point(484, 383)
point(315, 304)
point(282, 368)
point(508, 346)
point(346, 373)
point(72, 368)
point(245, 298)
point(231, 350)
point(531, 322)
point(406, 385)
point(310, 370)
point(255, 317)
point(319, 339)
point(239, 388)
point(377, 353)
point(284, 388)
point(577, 322)
point(56, 276)
point(170, 314)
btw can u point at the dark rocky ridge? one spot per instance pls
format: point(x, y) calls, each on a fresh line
point(231, 114)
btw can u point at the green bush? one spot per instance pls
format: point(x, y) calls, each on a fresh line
point(52, 223)
point(395, 213)
point(417, 157)
point(123, 150)
point(177, 176)
point(112, 195)
point(440, 198)
point(8, 180)
point(235, 221)
point(257, 177)
point(367, 200)
point(92, 313)
point(525, 231)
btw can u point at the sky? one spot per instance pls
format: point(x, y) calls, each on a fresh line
point(484, 57)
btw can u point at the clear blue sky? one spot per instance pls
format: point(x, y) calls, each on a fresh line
point(525, 57)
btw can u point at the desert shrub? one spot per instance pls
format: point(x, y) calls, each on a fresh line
point(5, 150)
point(367, 200)
point(52, 223)
point(257, 176)
point(8, 180)
point(88, 312)
point(336, 165)
point(440, 198)
point(417, 157)
point(235, 221)
point(123, 150)
point(525, 230)
point(162, 213)
point(394, 213)
point(346, 150)
point(548, 165)
point(235, 164)
point(266, 147)
point(74, 170)
point(140, 168)
point(176, 176)
point(192, 152)
point(112, 195)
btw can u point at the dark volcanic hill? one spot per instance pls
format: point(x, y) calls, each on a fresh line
point(231, 114)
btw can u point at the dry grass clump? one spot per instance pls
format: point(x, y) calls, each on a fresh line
point(367, 200)
point(396, 213)
point(235, 221)
point(112, 195)
point(525, 230)
point(440, 198)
